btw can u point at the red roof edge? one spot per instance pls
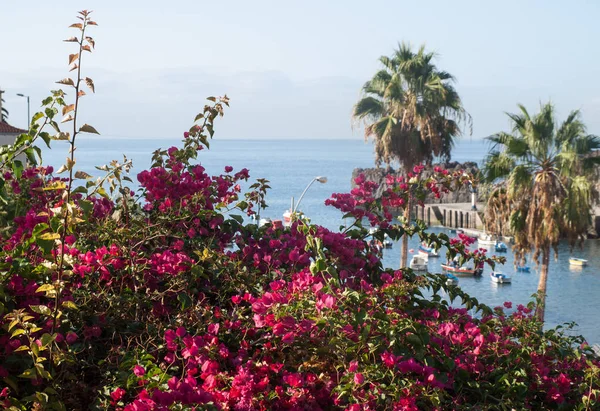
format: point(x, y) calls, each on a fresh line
point(6, 128)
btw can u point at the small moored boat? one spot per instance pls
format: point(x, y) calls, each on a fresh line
point(523, 268)
point(418, 263)
point(461, 270)
point(264, 221)
point(387, 243)
point(486, 240)
point(428, 251)
point(500, 247)
point(451, 279)
point(577, 261)
point(499, 278)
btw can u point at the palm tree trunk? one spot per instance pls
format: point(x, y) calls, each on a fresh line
point(541, 308)
point(404, 254)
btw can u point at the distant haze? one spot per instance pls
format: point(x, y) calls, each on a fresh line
point(293, 70)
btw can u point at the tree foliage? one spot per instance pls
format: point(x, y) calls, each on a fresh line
point(410, 109)
point(546, 171)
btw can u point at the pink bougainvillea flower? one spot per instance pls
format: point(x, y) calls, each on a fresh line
point(139, 370)
point(117, 394)
point(71, 337)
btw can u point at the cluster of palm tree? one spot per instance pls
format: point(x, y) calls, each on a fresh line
point(543, 172)
point(546, 189)
point(412, 113)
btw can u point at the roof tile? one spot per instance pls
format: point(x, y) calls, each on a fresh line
point(6, 128)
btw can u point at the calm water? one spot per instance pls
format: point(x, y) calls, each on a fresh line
point(291, 165)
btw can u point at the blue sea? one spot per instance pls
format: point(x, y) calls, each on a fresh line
point(290, 165)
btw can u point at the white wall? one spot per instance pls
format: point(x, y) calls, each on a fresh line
point(6, 139)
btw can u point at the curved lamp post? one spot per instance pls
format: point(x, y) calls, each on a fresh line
point(320, 179)
point(473, 197)
point(28, 114)
point(473, 191)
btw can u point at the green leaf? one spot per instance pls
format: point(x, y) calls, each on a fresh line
point(86, 206)
point(30, 154)
point(46, 245)
point(238, 218)
point(41, 309)
point(45, 287)
point(17, 167)
point(17, 332)
point(29, 373)
point(49, 236)
point(70, 304)
point(185, 300)
point(47, 339)
point(12, 324)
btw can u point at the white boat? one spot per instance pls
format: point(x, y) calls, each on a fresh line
point(486, 240)
point(287, 218)
point(424, 249)
point(577, 261)
point(464, 270)
point(264, 221)
point(451, 279)
point(500, 278)
point(418, 263)
point(387, 243)
point(501, 247)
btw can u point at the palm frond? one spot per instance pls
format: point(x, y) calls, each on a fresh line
point(497, 165)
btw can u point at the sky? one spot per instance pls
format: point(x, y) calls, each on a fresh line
point(294, 69)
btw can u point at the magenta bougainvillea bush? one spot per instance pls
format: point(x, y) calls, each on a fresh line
point(167, 297)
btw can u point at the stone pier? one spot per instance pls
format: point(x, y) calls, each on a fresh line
point(454, 215)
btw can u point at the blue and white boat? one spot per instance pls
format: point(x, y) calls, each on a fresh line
point(500, 247)
point(387, 242)
point(500, 278)
point(451, 279)
point(428, 251)
point(523, 268)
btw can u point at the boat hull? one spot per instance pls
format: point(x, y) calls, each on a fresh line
point(500, 278)
point(460, 271)
point(429, 252)
point(578, 261)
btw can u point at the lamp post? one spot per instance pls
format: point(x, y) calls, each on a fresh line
point(28, 113)
point(473, 197)
point(287, 216)
point(320, 179)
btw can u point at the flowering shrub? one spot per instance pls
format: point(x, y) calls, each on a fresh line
point(110, 300)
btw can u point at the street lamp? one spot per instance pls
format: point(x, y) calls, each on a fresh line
point(320, 179)
point(473, 197)
point(473, 191)
point(287, 216)
point(28, 114)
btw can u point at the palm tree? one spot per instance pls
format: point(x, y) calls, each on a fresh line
point(546, 171)
point(411, 111)
point(3, 113)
